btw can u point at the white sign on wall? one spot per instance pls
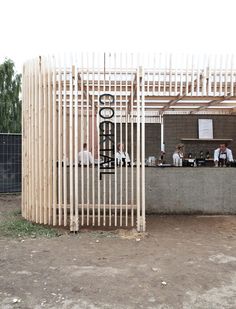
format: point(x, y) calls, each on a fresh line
point(205, 128)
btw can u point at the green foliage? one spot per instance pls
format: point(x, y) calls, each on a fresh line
point(10, 104)
point(13, 225)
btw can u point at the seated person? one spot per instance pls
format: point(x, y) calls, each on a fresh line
point(122, 158)
point(178, 155)
point(223, 155)
point(85, 157)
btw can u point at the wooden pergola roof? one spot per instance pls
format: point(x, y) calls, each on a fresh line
point(192, 86)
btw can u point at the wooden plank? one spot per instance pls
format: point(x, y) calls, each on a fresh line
point(138, 175)
point(71, 146)
point(50, 141)
point(40, 144)
point(115, 137)
point(109, 176)
point(99, 158)
point(45, 144)
point(221, 83)
point(226, 75)
point(54, 146)
point(76, 150)
point(93, 143)
point(65, 144)
point(82, 138)
point(59, 155)
point(88, 136)
point(36, 136)
point(104, 146)
point(121, 142)
point(132, 148)
point(126, 142)
point(143, 155)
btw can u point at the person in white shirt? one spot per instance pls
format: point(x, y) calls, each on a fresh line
point(122, 157)
point(178, 155)
point(85, 157)
point(223, 155)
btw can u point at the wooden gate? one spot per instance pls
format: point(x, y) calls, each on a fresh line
point(83, 141)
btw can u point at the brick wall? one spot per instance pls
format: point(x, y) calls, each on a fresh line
point(186, 126)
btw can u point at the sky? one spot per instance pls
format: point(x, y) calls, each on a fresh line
point(41, 27)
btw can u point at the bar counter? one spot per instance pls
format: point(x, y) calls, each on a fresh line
point(180, 190)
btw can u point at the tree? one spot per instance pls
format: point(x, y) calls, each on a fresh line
point(10, 103)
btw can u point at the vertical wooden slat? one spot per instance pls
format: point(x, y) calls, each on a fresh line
point(132, 141)
point(126, 140)
point(165, 74)
point(181, 75)
point(50, 140)
point(45, 145)
point(138, 148)
point(209, 76)
point(176, 77)
point(40, 144)
point(143, 153)
point(99, 158)
point(221, 60)
point(33, 142)
point(71, 145)
point(93, 141)
point(192, 76)
point(115, 137)
point(65, 144)
point(76, 149)
point(226, 75)
point(59, 155)
point(82, 139)
point(231, 76)
point(121, 140)
point(36, 141)
point(198, 76)
point(170, 75)
point(186, 75)
point(23, 114)
point(54, 146)
point(109, 176)
point(215, 75)
point(88, 137)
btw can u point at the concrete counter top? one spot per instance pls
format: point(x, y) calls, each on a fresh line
point(205, 190)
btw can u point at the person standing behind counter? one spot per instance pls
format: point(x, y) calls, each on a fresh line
point(178, 155)
point(223, 155)
point(85, 157)
point(122, 157)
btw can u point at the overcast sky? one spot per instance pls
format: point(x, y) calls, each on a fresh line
point(33, 27)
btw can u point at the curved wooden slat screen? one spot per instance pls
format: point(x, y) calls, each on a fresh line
point(69, 102)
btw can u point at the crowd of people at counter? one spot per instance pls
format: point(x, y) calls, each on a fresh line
point(222, 157)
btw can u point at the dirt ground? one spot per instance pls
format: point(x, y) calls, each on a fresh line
point(182, 262)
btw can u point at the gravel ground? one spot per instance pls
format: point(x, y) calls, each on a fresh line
point(181, 262)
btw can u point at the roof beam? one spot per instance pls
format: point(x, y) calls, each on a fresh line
point(211, 103)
